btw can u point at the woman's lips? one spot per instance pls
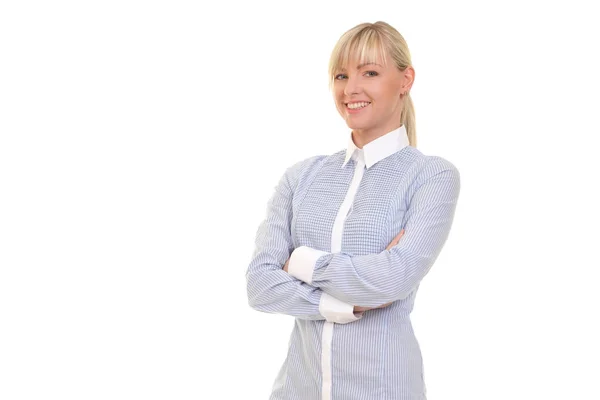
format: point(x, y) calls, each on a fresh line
point(356, 110)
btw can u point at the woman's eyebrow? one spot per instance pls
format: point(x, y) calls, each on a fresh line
point(367, 63)
point(362, 65)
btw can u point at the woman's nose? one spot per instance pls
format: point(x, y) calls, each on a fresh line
point(352, 86)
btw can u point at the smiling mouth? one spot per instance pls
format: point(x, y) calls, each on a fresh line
point(357, 106)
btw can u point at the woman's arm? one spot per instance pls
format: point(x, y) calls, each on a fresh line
point(359, 309)
point(270, 288)
point(373, 279)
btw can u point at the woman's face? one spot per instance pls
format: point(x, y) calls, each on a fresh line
point(368, 97)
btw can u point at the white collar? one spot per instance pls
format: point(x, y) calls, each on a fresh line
point(378, 149)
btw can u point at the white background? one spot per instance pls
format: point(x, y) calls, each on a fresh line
point(140, 142)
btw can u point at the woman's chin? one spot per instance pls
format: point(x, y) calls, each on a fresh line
point(356, 125)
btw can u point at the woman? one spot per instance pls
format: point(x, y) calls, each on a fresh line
point(348, 237)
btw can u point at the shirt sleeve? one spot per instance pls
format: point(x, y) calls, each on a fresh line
point(374, 279)
point(272, 290)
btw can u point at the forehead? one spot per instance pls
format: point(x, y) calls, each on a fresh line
point(356, 58)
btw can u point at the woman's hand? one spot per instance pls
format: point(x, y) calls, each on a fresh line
point(285, 267)
point(392, 244)
point(395, 240)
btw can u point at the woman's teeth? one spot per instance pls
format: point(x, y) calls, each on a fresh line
point(355, 106)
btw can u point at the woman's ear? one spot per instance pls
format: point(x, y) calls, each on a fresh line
point(409, 78)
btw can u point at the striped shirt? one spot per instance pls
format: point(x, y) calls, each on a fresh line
point(333, 217)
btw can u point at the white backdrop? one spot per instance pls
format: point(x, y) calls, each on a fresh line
point(141, 141)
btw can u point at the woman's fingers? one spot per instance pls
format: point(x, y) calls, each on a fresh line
point(363, 309)
point(395, 240)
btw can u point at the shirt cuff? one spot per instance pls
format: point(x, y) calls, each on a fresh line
point(302, 263)
point(337, 311)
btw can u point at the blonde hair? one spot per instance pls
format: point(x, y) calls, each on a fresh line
point(369, 42)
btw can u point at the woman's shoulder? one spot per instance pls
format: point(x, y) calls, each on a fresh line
point(429, 160)
point(426, 166)
point(302, 169)
point(307, 162)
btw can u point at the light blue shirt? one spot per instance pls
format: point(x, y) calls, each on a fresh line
point(333, 217)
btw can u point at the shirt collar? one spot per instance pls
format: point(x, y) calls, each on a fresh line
point(378, 149)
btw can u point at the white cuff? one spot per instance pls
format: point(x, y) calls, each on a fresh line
point(302, 263)
point(337, 311)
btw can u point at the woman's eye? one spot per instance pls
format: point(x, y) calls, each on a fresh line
point(368, 73)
